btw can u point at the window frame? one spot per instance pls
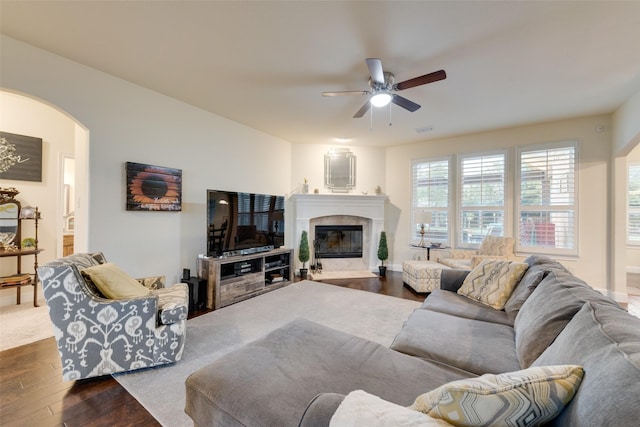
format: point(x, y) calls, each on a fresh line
point(413, 233)
point(630, 210)
point(460, 206)
point(518, 207)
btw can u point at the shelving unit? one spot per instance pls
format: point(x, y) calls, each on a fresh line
point(18, 280)
point(234, 279)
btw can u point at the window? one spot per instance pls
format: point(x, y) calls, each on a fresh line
point(430, 199)
point(633, 204)
point(481, 197)
point(546, 199)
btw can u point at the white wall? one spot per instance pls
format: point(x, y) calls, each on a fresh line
point(591, 264)
point(25, 116)
point(129, 123)
point(626, 136)
point(308, 162)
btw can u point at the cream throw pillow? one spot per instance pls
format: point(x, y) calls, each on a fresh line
point(530, 397)
point(113, 282)
point(493, 281)
point(361, 409)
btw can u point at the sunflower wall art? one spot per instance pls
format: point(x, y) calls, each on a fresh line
point(153, 188)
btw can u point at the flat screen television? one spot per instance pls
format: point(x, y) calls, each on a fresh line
point(243, 223)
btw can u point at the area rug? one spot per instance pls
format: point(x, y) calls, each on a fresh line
point(23, 324)
point(328, 275)
point(373, 316)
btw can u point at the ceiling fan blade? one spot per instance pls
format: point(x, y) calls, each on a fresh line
point(346, 92)
point(405, 103)
point(362, 110)
point(422, 80)
point(375, 70)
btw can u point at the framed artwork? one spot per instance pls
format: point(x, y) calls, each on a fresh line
point(20, 157)
point(153, 188)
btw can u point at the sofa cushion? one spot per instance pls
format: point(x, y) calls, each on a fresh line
point(548, 310)
point(528, 397)
point(458, 263)
point(478, 347)
point(461, 306)
point(173, 303)
point(605, 341)
point(360, 408)
point(282, 372)
point(492, 282)
point(529, 281)
point(496, 246)
point(113, 282)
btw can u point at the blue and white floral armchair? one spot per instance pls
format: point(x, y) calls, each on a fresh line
point(99, 336)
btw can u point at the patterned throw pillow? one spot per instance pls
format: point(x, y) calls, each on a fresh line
point(530, 397)
point(493, 281)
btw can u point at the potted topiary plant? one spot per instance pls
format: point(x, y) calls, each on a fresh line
point(303, 254)
point(383, 253)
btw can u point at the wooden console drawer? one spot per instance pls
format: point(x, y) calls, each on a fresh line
point(240, 286)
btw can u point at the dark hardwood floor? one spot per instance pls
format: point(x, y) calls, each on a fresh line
point(32, 392)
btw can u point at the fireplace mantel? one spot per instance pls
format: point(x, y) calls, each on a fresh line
point(302, 208)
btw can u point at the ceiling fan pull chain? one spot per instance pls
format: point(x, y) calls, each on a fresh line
point(390, 115)
point(371, 120)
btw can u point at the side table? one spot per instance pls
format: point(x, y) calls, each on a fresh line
point(429, 249)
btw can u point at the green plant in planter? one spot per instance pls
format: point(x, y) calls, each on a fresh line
point(303, 254)
point(383, 252)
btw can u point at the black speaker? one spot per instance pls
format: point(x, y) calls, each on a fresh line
point(197, 293)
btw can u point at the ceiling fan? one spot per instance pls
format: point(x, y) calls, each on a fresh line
point(383, 85)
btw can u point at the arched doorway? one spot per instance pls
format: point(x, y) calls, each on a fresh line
point(63, 138)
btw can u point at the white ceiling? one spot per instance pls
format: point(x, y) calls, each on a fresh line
point(265, 64)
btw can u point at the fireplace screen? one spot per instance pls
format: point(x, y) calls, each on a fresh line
point(338, 241)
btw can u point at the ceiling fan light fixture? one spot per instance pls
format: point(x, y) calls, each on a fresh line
point(381, 99)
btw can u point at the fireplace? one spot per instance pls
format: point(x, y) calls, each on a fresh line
point(311, 210)
point(338, 241)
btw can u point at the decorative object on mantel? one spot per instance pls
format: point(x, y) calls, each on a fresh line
point(340, 170)
point(305, 186)
point(20, 157)
point(153, 188)
point(303, 254)
point(316, 191)
point(383, 253)
point(378, 190)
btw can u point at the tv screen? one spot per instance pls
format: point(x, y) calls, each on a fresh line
point(241, 223)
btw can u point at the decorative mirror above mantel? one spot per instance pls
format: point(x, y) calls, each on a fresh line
point(340, 170)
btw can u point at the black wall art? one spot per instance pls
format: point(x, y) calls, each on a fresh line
point(153, 188)
point(20, 157)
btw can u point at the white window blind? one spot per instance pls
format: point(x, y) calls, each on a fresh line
point(481, 197)
point(633, 204)
point(430, 200)
point(547, 195)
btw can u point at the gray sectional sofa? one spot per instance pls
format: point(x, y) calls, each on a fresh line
point(300, 373)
